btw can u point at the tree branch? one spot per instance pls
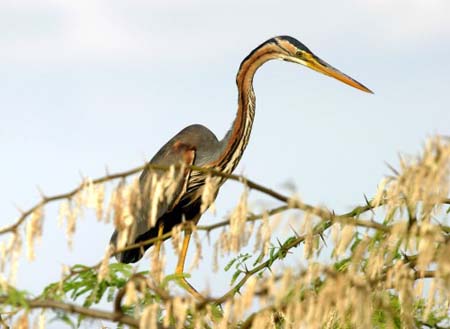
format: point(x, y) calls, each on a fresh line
point(73, 308)
point(239, 178)
point(45, 200)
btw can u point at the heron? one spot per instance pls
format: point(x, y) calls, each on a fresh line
point(197, 145)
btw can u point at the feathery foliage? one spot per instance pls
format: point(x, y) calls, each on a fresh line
point(385, 264)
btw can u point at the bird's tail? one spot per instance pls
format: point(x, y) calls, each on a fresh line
point(135, 254)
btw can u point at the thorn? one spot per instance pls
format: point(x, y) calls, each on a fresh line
point(396, 173)
point(41, 192)
point(366, 199)
point(405, 256)
point(107, 171)
point(15, 205)
point(368, 204)
point(323, 239)
point(279, 243)
point(295, 233)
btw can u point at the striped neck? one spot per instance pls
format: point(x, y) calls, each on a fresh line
point(236, 140)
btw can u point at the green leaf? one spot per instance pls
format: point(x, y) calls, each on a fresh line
point(17, 297)
point(230, 263)
point(235, 276)
point(216, 311)
point(342, 265)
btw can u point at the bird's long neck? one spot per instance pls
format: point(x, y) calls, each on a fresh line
point(236, 140)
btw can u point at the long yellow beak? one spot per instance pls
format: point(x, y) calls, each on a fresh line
point(315, 63)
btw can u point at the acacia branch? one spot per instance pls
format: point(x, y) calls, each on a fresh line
point(117, 317)
point(124, 174)
point(327, 218)
point(251, 218)
point(277, 311)
point(325, 215)
point(3, 323)
point(64, 196)
point(109, 177)
point(280, 254)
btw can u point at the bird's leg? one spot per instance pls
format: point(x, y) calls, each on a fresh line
point(183, 252)
point(159, 242)
point(180, 266)
point(156, 259)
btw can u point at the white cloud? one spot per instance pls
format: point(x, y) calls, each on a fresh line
point(67, 31)
point(408, 20)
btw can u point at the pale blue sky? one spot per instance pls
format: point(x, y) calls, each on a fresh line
point(85, 84)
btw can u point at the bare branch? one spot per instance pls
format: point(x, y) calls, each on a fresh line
point(45, 200)
point(76, 309)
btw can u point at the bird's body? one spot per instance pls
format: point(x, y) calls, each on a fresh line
point(201, 142)
point(197, 145)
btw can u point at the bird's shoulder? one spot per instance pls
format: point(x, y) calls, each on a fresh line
point(195, 137)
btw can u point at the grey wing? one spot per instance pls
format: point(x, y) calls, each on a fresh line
point(160, 190)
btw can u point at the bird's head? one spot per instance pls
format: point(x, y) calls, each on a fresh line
point(292, 50)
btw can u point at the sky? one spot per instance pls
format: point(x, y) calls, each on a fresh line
point(86, 85)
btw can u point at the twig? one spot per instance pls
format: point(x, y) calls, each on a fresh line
point(45, 200)
point(3, 323)
point(73, 308)
point(321, 227)
point(109, 177)
point(324, 225)
point(251, 218)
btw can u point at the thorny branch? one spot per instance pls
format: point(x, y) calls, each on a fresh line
point(320, 228)
point(109, 177)
point(45, 200)
point(327, 218)
point(76, 309)
point(292, 203)
point(271, 309)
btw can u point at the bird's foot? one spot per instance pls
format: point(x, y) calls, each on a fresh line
point(190, 289)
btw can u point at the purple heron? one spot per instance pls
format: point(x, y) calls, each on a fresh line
point(197, 145)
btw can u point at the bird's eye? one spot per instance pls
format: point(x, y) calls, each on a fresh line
point(299, 53)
